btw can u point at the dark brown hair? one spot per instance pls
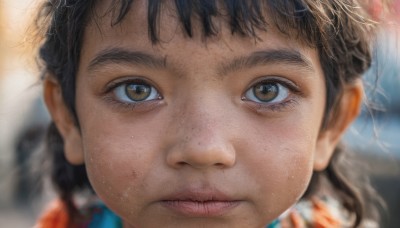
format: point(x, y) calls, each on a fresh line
point(338, 29)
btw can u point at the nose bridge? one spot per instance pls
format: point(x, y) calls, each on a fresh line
point(203, 138)
point(202, 114)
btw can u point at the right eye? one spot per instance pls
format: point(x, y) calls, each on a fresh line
point(134, 92)
point(268, 92)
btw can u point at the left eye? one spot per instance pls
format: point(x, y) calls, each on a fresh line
point(135, 92)
point(267, 92)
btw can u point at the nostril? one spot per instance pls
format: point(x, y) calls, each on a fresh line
point(182, 163)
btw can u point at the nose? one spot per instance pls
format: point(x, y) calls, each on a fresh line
point(203, 140)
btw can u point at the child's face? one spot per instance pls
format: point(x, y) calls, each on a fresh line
point(222, 132)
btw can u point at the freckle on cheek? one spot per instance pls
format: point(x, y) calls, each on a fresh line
point(133, 174)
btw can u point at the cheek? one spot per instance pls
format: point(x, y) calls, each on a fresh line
point(112, 170)
point(118, 160)
point(287, 169)
point(281, 163)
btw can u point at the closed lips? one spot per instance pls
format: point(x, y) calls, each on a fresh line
point(208, 204)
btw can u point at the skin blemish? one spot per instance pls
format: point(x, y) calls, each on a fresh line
point(134, 174)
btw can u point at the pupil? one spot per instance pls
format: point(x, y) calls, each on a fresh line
point(266, 92)
point(137, 92)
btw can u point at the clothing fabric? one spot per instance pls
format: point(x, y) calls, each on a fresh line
point(316, 213)
point(95, 216)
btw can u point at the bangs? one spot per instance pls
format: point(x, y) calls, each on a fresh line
point(292, 18)
point(312, 22)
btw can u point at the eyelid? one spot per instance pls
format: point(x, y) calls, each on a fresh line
point(129, 79)
point(292, 86)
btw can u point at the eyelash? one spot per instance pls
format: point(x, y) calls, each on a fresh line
point(110, 95)
point(289, 102)
point(292, 99)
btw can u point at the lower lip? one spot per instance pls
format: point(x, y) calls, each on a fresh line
point(200, 209)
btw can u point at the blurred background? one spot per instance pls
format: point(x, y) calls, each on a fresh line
point(23, 117)
point(375, 136)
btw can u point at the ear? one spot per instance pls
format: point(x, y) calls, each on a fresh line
point(64, 121)
point(348, 109)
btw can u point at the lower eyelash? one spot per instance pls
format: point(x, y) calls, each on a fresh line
point(285, 105)
point(280, 107)
point(139, 106)
point(117, 104)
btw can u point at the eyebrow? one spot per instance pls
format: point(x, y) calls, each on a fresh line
point(123, 56)
point(281, 56)
point(261, 58)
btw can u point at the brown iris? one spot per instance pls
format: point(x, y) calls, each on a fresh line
point(266, 92)
point(138, 92)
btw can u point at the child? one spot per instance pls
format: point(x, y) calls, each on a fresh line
point(203, 113)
